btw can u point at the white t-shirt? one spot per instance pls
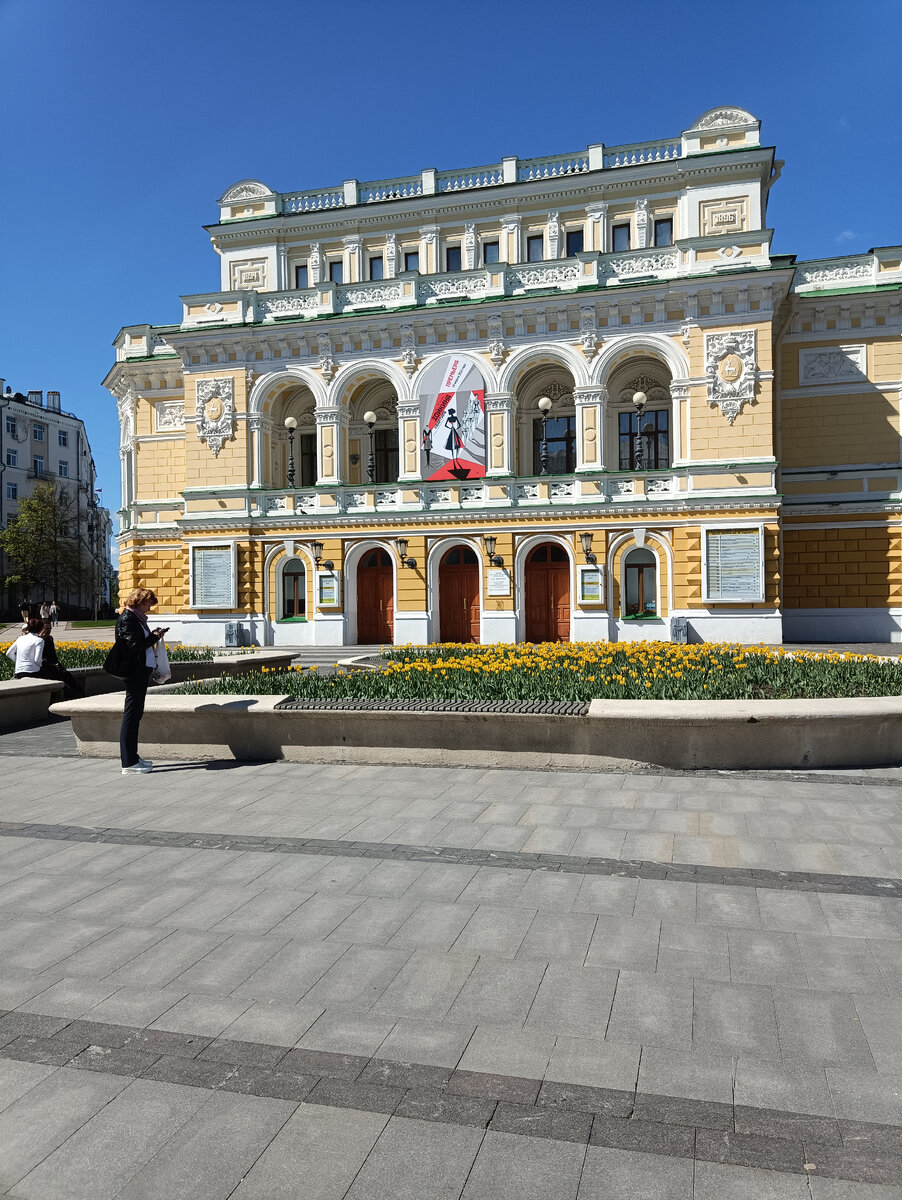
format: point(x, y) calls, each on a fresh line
point(27, 652)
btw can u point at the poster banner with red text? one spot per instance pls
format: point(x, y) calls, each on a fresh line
point(452, 420)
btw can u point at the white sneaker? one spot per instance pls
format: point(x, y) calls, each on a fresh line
point(145, 762)
point(138, 768)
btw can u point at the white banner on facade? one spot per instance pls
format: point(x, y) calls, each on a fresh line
point(452, 418)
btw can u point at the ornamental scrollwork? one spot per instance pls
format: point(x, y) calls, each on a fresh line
point(839, 274)
point(214, 412)
point(170, 415)
point(530, 276)
point(730, 367)
point(722, 118)
point(646, 264)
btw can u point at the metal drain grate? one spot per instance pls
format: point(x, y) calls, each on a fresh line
point(556, 708)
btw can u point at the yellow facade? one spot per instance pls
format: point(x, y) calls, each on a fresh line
point(753, 492)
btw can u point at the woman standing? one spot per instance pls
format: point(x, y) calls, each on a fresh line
point(132, 658)
point(27, 651)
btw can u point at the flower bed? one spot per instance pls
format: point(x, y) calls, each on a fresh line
point(93, 654)
point(583, 671)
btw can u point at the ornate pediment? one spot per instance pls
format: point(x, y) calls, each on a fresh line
point(723, 118)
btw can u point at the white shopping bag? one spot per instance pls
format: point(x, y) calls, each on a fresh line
point(161, 672)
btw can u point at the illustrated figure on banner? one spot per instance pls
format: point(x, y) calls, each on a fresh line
point(452, 399)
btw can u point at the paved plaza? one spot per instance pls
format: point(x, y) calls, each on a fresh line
point(270, 981)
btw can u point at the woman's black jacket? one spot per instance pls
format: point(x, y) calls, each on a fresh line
point(128, 657)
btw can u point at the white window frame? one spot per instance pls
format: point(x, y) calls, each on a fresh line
point(63, 468)
point(726, 527)
point(10, 425)
point(37, 432)
point(214, 544)
point(12, 491)
point(12, 458)
point(63, 437)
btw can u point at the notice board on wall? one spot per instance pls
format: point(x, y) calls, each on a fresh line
point(734, 568)
point(212, 577)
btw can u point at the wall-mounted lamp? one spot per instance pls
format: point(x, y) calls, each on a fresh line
point(316, 549)
point(586, 539)
point(401, 544)
point(370, 418)
point(495, 559)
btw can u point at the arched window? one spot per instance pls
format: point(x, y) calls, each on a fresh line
point(294, 589)
point(640, 583)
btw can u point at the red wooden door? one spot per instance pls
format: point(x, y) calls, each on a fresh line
point(375, 600)
point(458, 590)
point(547, 587)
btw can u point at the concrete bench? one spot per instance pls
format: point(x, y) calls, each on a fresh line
point(23, 701)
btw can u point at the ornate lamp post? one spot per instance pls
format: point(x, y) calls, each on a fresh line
point(291, 425)
point(545, 409)
point(370, 418)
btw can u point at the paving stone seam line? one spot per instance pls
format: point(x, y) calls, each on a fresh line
point(754, 877)
point(710, 1131)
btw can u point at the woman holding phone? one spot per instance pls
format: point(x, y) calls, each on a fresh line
point(132, 658)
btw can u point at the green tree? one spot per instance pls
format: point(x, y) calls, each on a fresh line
point(41, 541)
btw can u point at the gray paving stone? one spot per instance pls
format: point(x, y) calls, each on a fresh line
point(864, 1096)
point(652, 1011)
point(359, 977)
point(822, 1030)
point(317, 917)
point(881, 1021)
point(690, 1075)
point(17, 1078)
point(609, 895)
point(413, 1159)
point(554, 937)
point(288, 976)
point(426, 986)
point(376, 919)
point(788, 1087)
point(730, 1019)
point(390, 879)
point(160, 965)
point(426, 1043)
point(263, 911)
point(549, 891)
point(495, 930)
point(573, 1000)
point(716, 1182)
point(766, 957)
point(841, 964)
point(347, 1033)
point(201, 1013)
point(524, 1168)
point(136, 1006)
point(324, 1147)
point(500, 1050)
point(230, 964)
point(842, 1189)
point(656, 899)
point(435, 1104)
point(496, 992)
point(434, 925)
point(593, 1063)
point(631, 1175)
point(625, 942)
point(494, 885)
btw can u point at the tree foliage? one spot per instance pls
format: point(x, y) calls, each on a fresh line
point(41, 541)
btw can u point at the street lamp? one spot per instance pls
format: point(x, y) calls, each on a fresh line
point(370, 418)
point(545, 409)
point(401, 544)
point(639, 400)
point(495, 559)
point(316, 549)
point(291, 425)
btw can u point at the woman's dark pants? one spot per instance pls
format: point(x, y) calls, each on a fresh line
point(135, 695)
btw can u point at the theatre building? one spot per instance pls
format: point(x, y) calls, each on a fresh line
point(570, 397)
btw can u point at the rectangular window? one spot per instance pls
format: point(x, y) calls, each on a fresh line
point(12, 491)
point(535, 247)
point(336, 270)
point(377, 267)
point(38, 464)
point(491, 252)
point(385, 450)
point(211, 577)
point(63, 437)
point(561, 443)
point(38, 433)
point(307, 448)
point(64, 469)
point(412, 260)
point(733, 565)
point(620, 237)
point(11, 425)
point(653, 452)
point(12, 458)
point(574, 242)
point(452, 258)
point(301, 277)
point(664, 232)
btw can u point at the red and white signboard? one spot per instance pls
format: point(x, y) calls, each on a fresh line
point(452, 419)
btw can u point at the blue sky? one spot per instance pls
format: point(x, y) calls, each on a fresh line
point(123, 122)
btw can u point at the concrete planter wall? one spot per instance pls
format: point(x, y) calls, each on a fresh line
point(727, 734)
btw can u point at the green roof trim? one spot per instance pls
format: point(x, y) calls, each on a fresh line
point(863, 289)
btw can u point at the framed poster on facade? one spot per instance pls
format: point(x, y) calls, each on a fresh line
point(590, 587)
point(328, 589)
point(452, 420)
point(734, 565)
point(498, 581)
point(212, 577)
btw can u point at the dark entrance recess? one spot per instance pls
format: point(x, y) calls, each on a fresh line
point(547, 592)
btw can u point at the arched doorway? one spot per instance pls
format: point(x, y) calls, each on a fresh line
point(640, 582)
point(375, 599)
point(458, 589)
point(547, 591)
point(294, 589)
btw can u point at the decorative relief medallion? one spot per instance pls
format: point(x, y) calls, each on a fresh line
point(730, 366)
point(839, 364)
point(170, 415)
point(730, 215)
point(245, 191)
point(214, 412)
point(724, 118)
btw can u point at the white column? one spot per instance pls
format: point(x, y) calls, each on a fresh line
point(499, 430)
point(510, 229)
point(598, 227)
point(391, 256)
point(641, 224)
point(469, 254)
point(589, 402)
point(408, 442)
point(330, 428)
point(255, 436)
point(554, 235)
point(315, 264)
point(428, 238)
point(352, 271)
